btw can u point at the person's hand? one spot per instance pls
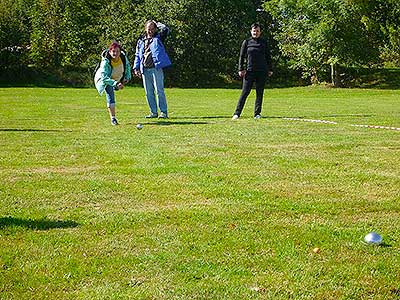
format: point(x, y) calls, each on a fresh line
point(137, 73)
point(120, 86)
point(270, 73)
point(242, 73)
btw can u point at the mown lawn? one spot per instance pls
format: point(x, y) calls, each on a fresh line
point(199, 206)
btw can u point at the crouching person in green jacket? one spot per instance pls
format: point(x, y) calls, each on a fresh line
point(114, 72)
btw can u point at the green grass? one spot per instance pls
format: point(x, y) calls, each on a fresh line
point(199, 206)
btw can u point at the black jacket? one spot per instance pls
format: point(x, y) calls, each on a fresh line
point(255, 55)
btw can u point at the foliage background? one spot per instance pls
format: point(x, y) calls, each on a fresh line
point(63, 38)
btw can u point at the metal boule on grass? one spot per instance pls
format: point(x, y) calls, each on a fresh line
point(139, 126)
point(373, 238)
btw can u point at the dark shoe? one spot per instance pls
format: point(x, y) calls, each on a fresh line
point(151, 116)
point(114, 122)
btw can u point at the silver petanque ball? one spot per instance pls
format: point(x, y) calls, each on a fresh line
point(373, 238)
point(139, 126)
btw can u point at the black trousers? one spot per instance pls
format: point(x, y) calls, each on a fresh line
point(259, 77)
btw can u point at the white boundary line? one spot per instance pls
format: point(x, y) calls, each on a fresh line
point(311, 120)
point(377, 127)
point(334, 123)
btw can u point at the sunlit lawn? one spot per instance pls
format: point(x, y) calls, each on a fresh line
point(199, 206)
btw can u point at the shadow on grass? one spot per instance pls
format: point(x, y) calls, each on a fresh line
point(381, 245)
point(385, 245)
point(169, 123)
point(42, 224)
point(203, 117)
point(32, 130)
point(172, 122)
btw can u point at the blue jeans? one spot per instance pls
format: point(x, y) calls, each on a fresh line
point(153, 82)
point(110, 96)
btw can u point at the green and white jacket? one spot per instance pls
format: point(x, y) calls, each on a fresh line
point(103, 78)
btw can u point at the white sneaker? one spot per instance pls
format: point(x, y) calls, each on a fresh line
point(235, 117)
point(256, 117)
point(163, 115)
point(151, 116)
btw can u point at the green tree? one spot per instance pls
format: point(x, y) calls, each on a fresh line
point(79, 35)
point(119, 20)
point(15, 29)
point(46, 33)
point(63, 32)
point(388, 17)
point(316, 34)
point(205, 35)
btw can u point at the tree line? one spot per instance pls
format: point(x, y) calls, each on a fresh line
point(316, 38)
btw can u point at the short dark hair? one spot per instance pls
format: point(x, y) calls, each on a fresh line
point(255, 25)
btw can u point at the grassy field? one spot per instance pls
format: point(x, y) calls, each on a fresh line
point(199, 206)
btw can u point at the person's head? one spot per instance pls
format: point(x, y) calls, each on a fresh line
point(255, 30)
point(114, 50)
point(150, 28)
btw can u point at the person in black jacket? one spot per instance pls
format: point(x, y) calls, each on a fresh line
point(255, 65)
